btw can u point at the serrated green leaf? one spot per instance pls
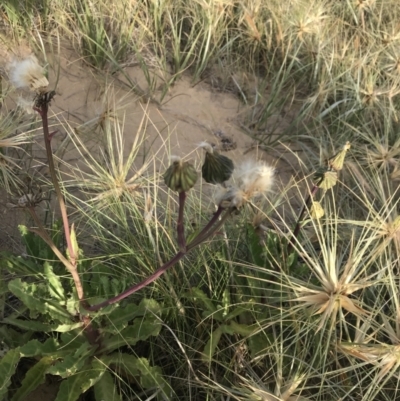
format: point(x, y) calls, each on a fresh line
point(72, 363)
point(28, 324)
point(258, 343)
point(244, 330)
point(140, 330)
point(72, 341)
point(35, 246)
point(29, 295)
point(72, 305)
point(74, 386)
point(150, 376)
point(18, 264)
point(55, 287)
point(9, 336)
point(63, 328)
point(33, 378)
point(236, 312)
point(120, 317)
point(212, 343)
point(105, 389)
point(25, 292)
point(198, 294)
point(57, 311)
point(105, 284)
point(256, 249)
point(36, 348)
point(8, 365)
point(115, 286)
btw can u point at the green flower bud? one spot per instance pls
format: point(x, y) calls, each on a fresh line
point(216, 168)
point(180, 176)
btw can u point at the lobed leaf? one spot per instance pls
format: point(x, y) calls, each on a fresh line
point(212, 343)
point(8, 365)
point(28, 294)
point(140, 330)
point(73, 362)
point(55, 287)
point(105, 389)
point(29, 325)
point(33, 378)
point(119, 318)
point(75, 385)
point(36, 348)
point(149, 376)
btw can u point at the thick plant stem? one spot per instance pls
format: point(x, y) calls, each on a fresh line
point(47, 141)
point(204, 233)
point(71, 264)
point(213, 225)
point(160, 271)
point(46, 238)
point(180, 227)
point(306, 206)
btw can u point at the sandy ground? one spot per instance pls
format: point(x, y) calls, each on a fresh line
point(188, 115)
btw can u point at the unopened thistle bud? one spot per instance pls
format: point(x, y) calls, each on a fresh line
point(180, 176)
point(216, 168)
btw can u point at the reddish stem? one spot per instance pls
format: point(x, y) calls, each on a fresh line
point(180, 227)
point(207, 231)
point(204, 233)
point(161, 270)
point(306, 206)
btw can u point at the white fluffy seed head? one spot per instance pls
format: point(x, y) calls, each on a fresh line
point(254, 177)
point(26, 105)
point(251, 178)
point(27, 73)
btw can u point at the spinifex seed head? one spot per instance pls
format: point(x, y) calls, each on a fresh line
point(325, 178)
point(180, 176)
point(336, 162)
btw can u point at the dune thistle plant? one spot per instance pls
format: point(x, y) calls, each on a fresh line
point(180, 176)
point(69, 311)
